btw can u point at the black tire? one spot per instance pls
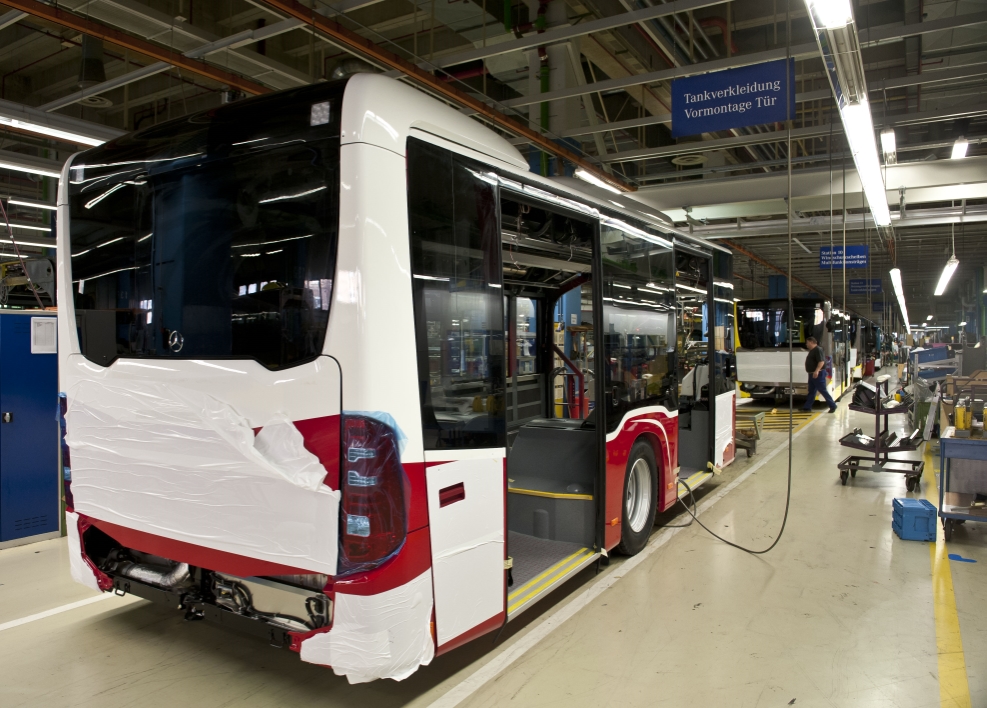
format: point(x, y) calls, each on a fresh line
point(947, 528)
point(632, 540)
point(853, 473)
point(843, 477)
point(910, 484)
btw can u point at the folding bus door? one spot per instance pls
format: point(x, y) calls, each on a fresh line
point(459, 313)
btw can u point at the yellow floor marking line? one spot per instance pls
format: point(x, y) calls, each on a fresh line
point(529, 590)
point(954, 689)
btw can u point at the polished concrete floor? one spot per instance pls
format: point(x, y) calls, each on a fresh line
point(840, 613)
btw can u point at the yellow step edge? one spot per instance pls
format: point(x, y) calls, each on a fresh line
point(530, 589)
point(550, 495)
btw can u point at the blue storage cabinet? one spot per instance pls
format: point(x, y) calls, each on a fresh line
point(29, 504)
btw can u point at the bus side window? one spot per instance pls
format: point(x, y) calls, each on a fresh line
point(458, 299)
point(639, 323)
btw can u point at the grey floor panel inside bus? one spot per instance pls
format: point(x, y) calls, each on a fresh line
point(533, 555)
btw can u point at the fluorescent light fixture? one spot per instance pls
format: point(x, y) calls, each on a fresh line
point(962, 324)
point(36, 205)
point(888, 147)
point(723, 284)
point(830, 14)
point(900, 294)
point(30, 127)
point(4, 165)
point(860, 135)
point(804, 247)
point(947, 273)
point(31, 227)
point(29, 243)
point(959, 148)
point(929, 318)
point(689, 287)
point(595, 181)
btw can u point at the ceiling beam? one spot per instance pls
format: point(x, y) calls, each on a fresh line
point(812, 131)
point(235, 41)
point(868, 38)
point(11, 18)
point(377, 54)
point(136, 44)
point(561, 34)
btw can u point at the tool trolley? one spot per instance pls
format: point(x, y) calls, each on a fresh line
point(883, 443)
point(972, 449)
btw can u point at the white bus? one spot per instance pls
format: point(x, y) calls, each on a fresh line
point(762, 339)
point(338, 368)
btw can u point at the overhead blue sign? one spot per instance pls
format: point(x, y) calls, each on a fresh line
point(832, 257)
point(877, 306)
point(863, 286)
point(721, 100)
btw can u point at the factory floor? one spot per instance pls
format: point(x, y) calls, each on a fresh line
point(840, 613)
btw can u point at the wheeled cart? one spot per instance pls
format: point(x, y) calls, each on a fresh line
point(974, 477)
point(883, 444)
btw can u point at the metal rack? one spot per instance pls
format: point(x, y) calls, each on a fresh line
point(883, 444)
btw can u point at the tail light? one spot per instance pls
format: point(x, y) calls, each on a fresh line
point(63, 405)
point(373, 513)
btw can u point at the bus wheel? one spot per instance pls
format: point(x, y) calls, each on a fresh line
point(640, 498)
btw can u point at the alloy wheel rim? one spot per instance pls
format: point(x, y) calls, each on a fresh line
point(638, 495)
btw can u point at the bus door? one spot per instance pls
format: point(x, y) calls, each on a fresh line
point(459, 322)
point(696, 355)
point(554, 452)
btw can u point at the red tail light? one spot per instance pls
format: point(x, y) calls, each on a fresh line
point(373, 513)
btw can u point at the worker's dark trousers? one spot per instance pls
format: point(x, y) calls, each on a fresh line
point(818, 385)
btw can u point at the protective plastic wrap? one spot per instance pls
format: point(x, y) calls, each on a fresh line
point(180, 464)
point(377, 636)
point(78, 568)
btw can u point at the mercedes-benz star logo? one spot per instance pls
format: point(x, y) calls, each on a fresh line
point(176, 341)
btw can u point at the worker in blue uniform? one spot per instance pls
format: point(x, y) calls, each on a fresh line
point(815, 360)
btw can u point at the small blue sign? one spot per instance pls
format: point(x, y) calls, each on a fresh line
point(832, 257)
point(863, 286)
point(721, 100)
point(877, 306)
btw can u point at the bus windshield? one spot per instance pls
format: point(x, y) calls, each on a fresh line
point(763, 324)
point(211, 236)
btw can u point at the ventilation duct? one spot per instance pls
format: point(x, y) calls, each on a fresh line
point(348, 67)
point(92, 71)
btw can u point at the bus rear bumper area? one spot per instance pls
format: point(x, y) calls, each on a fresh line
point(349, 624)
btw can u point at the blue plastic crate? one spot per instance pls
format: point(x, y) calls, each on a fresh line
point(913, 519)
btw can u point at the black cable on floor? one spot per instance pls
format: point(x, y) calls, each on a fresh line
point(791, 321)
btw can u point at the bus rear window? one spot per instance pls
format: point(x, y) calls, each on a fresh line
point(205, 256)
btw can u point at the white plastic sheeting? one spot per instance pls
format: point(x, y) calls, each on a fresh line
point(177, 463)
point(377, 636)
point(724, 426)
point(78, 568)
